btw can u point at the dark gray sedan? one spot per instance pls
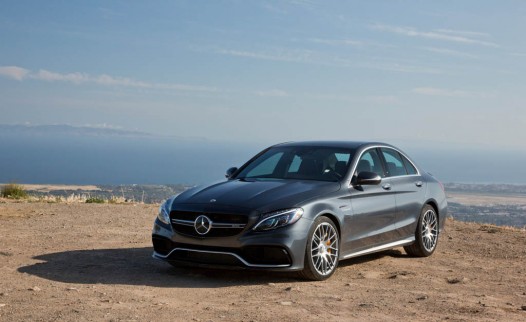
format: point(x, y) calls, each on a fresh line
point(304, 207)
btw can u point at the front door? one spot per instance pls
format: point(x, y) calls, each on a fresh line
point(372, 216)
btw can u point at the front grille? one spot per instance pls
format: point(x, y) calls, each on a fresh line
point(223, 224)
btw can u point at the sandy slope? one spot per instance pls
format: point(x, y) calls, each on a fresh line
point(89, 262)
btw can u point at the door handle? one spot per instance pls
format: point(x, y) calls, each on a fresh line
point(419, 183)
point(386, 186)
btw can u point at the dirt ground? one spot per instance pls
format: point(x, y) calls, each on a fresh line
point(92, 262)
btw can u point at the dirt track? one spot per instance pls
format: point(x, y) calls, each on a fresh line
point(90, 262)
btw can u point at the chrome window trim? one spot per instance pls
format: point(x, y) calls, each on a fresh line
point(388, 147)
point(159, 256)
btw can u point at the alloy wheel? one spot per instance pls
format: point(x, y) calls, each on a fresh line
point(324, 248)
point(429, 230)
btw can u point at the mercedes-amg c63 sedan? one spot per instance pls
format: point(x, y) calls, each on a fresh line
point(304, 207)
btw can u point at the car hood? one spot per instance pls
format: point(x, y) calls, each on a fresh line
point(261, 195)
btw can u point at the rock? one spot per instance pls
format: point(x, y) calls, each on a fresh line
point(2, 304)
point(397, 276)
point(421, 298)
point(288, 289)
point(456, 280)
point(523, 307)
point(271, 284)
point(286, 303)
point(35, 289)
point(72, 289)
point(401, 275)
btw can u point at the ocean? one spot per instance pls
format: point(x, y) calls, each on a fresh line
point(45, 158)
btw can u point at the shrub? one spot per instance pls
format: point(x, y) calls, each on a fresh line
point(94, 200)
point(13, 190)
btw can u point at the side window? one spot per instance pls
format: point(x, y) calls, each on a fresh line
point(370, 161)
point(409, 166)
point(394, 162)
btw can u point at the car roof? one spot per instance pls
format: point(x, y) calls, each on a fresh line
point(334, 144)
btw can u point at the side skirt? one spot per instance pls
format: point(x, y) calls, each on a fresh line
point(380, 248)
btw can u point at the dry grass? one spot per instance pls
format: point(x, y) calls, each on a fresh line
point(13, 191)
point(71, 199)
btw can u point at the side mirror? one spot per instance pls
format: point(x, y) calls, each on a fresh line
point(367, 178)
point(230, 172)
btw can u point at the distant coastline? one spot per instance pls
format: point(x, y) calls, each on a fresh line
point(498, 204)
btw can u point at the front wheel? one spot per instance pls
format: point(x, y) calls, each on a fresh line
point(322, 251)
point(426, 234)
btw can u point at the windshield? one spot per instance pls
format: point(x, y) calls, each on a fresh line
point(300, 163)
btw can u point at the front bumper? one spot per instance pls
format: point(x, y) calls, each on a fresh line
point(279, 249)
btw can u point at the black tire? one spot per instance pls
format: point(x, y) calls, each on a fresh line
point(426, 235)
point(322, 250)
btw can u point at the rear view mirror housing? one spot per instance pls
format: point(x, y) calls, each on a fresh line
point(230, 172)
point(367, 178)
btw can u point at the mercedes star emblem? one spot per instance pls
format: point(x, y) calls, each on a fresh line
point(202, 225)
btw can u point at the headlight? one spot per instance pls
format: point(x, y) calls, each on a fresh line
point(278, 219)
point(164, 213)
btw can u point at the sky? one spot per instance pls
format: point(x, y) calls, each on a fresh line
point(444, 73)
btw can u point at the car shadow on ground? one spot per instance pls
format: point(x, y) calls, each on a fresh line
point(135, 266)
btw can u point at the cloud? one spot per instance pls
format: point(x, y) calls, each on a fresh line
point(303, 3)
point(19, 73)
point(450, 52)
point(311, 57)
point(464, 33)
point(337, 42)
point(48, 76)
point(14, 72)
point(298, 56)
point(120, 81)
point(445, 35)
point(272, 93)
point(434, 91)
point(401, 68)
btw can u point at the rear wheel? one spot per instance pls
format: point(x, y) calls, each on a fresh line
point(426, 234)
point(322, 251)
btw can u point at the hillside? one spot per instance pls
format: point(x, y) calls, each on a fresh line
point(79, 262)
